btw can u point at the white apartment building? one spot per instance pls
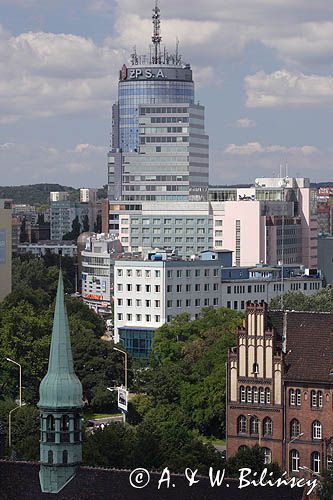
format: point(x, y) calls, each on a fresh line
point(150, 293)
point(67, 248)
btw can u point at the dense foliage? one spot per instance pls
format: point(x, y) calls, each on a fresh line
point(298, 301)
point(35, 194)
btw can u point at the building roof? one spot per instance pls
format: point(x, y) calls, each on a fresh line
point(60, 388)
point(309, 344)
point(19, 481)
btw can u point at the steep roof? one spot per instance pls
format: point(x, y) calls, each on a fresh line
point(19, 481)
point(60, 388)
point(309, 344)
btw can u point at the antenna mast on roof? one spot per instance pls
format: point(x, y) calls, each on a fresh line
point(156, 38)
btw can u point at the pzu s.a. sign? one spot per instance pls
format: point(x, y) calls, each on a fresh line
point(138, 73)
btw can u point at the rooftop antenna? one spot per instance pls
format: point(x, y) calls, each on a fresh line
point(156, 38)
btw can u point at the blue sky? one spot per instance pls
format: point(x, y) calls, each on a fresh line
point(263, 70)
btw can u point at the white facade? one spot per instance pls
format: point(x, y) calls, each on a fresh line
point(88, 195)
point(67, 248)
point(235, 293)
point(58, 196)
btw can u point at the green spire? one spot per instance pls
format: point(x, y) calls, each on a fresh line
point(60, 388)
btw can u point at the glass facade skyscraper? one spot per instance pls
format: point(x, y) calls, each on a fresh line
point(159, 148)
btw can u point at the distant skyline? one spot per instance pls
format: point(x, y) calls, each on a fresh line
point(263, 70)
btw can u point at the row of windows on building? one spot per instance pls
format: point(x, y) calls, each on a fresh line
point(196, 302)
point(139, 302)
point(254, 394)
point(316, 398)
point(147, 273)
point(148, 111)
point(139, 317)
point(138, 288)
point(188, 273)
point(164, 221)
point(188, 288)
point(267, 427)
point(167, 230)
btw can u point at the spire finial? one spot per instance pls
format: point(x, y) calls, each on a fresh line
point(156, 38)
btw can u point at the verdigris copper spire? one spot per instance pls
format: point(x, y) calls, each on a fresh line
point(60, 402)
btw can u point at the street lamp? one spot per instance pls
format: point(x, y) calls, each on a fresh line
point(20, 378)
point(259, 427)
point(10, 423)
point(125, 354)
point(288, 448)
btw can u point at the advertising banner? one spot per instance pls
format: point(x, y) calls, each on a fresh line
point(122, 399)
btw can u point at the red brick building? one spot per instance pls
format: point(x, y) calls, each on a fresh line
point(280, 387)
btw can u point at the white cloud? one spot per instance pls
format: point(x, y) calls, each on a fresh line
point(252, 148)
point(245, 123)
point(46, 74)
point(84, 164)
point(283, 88)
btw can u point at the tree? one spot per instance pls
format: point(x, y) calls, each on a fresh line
point(252, 458)
point(85, 224)
point(325, 489)
point(322, 301)
point(23, 232)
point(75, 232)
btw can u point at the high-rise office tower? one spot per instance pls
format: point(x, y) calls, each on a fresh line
point(159, 149)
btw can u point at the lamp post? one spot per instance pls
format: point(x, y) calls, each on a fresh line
point(259, 427)
point(20, 378)
point(10, 423)
point(125, 366)
point(288, 449)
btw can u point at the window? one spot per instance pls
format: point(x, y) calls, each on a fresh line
point(120, 316)
point(292, 397)
point(129, 317)
point(316, 430)
point(138, 302)
point(254, 425)
point(138, 317)
point(50, 457)
point(169, 288)
point(295, 428)
point(179, 303)
point(157, 274)
point(298, 397)
point(129, 272)
point(313, 399)
point(169, 303)
point(267, 456)
point(294, 461)
point(315, 462)
point(248, 395)
point(197, 302)
point(262, 395)
point(119, 272)
point(320, 399)
point(188, 302)
point(129, 302)
point(129, 288)
point(65, 457)
point(120, 302)
point(255, 394)
point(178, 288)
point(267, 426)
point(120, 287)
point(241, 424)
point(255, 368)
point(197, 287)
point(148, 318)
point(268, 396)
point(138, 288)
point(188, 288)
point(148, 288)
point(139, 273)
point(147, 273)
point(242, 395)
point(157, 303)
point(157, 318)
point(148, 302)
point(157, 288)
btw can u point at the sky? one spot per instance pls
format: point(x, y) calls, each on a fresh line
point(263, 69)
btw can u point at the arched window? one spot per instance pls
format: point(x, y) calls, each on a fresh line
point(298, 397)
point(292, 397)
point(242, 395)
point(320, 399)
point(313, 399)
point(50, 423)
point(254, 425)
point(241, 424)
point(242, 447)
point(50, 457)
point(65, 457)
point(255, 394)
point(295, 428)
point(316, 430)
point(262, 395)
point(267, 426)
point(248, 395)
point(315, 462)
point(267, 456)
point(65, 423)
point(268, 396)
point(294, 461)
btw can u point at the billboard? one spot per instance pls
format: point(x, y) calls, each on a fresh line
point(2, 246)
point(122, 399)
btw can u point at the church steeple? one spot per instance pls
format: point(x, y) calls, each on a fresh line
point(60, 402)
